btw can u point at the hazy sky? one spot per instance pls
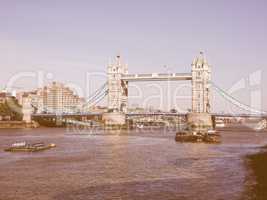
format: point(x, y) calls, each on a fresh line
point(70, 38)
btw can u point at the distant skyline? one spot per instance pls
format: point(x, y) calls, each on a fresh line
point(70, 38)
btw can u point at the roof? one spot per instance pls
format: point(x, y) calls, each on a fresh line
point(200, 60)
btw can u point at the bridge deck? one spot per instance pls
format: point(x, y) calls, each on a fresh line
point(145, 114)
point(157, 77)
point(65, 114)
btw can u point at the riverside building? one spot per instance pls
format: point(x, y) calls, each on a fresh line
point(56, 98)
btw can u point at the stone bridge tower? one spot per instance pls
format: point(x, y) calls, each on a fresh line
point(201, 77)
point(200, 117)
point(118, 89)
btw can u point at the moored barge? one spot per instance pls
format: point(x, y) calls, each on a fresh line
point(26, 147)
point(198, 137)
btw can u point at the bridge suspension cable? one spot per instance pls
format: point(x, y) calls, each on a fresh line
point(97, 96)
point(236, 102)
point(97, 92)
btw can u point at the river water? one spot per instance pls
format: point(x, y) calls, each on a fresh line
point(125, 165)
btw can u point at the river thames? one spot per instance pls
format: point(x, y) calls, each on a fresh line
point(126, 165)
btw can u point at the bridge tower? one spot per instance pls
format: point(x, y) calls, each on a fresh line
point(117, 94)
point(200, 116)
point(201, 77)
point(118, 89)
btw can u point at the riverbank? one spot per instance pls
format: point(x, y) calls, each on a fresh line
point(17, 124)
point(257, 163)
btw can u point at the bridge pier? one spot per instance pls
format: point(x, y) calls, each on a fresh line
point(114, 119)
point(199, 121)
point(27, 110)
point(59, 120)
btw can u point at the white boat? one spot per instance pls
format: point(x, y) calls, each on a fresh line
point(19, 144)
point(140, 126)
point(212, 131)
point(261, 125)
point(220, 124)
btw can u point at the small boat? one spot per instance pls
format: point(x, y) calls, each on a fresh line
point(26, 147)
point(140, 126)
point(189, 137)
point(261, 125)
point(210, 136)
point(220, 124)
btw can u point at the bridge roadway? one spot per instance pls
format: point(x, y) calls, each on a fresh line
point(51, 115)
point(65, 114)
point(157, 77)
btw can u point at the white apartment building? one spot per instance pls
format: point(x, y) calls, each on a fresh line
point(56, 98)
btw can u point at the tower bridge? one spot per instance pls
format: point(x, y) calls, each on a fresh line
point(116, 89)
point(119, 79)
point(200, 77)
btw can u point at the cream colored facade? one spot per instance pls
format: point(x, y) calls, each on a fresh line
point(201, 77)
point(55, 98)
point(117, 88)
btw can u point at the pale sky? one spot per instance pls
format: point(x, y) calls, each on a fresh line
point(71, 38)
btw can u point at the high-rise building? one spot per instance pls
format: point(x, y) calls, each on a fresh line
point(56, 98)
